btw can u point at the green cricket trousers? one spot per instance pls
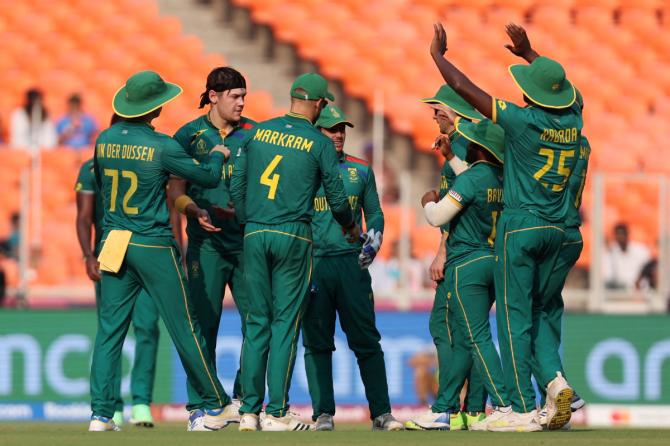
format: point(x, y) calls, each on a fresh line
point(209, 271)
point(472, 296)
point(553, 311)
point(453, 357)
point(152, 264)
point(143, 373)
point(527, 248)
point(277, 270)
point(340, 287)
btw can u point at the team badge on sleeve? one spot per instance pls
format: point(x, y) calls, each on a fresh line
point(455, 195)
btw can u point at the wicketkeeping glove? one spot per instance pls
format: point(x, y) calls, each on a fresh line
point(372, 241)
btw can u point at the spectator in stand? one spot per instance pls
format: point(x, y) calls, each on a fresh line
point(624, 260)
point(76, 129)
point(9, 247)
point(30, 125)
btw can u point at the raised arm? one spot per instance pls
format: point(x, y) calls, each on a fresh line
point(520, 43)
point(477, 97)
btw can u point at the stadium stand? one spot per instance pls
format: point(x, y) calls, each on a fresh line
point(614, 50)
point(89, 58)
point(611, 50)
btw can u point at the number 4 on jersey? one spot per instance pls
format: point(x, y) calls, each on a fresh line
point(271, 181)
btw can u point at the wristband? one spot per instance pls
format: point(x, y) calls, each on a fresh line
point(182, 202)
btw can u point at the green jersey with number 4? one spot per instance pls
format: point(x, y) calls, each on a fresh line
point(361, 188)
point(479, 191)
point(279, 169)
point(132, 166)
point(541, 150)
point(576, 184)
point(197, 138)
point(459, 145)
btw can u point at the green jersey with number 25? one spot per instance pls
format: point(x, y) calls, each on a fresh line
point(541, 150)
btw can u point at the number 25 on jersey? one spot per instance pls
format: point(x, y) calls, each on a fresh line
point(269, 179)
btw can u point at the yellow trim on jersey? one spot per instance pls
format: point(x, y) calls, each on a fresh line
point(494, 110)
point(190, 322)
point(509, 330)
point(574, 95)
point(454, 201)
point(149, 246)
point(278, 232)
point(467, 323)
point(299, 116)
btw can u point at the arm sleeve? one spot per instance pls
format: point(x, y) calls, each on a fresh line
point(442, 212)
point(460, 195)
point(374, 217)
point(85, 179)
point(458, 165)
point(238, 184)
point(510, 116)
point(176, 161)
point(333, 186)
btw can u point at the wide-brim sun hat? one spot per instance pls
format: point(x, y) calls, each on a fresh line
point(484, 133)
point(544, 82)
point(447, 97)
point(143, 93)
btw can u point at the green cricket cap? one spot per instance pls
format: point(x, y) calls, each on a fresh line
point(331, 116)
point(448, 97)
point(144, 92)
point(484, 133)
point(544, 82)
point(314, 85)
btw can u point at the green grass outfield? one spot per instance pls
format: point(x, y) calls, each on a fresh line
point(169, 434)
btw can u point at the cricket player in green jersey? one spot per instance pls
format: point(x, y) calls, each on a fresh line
point(472, 207)
point(570, 252)
point(277, 174)
point(341, 285)
point(572, 245)
point(541, 142)
point(454, 364)
point(145, 314)
point(215, 237)
point(132, 165)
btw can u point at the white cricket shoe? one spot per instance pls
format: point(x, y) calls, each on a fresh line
point(102, 424)
point(386, 422)
point(497, 414)
point(196, 421)
point(249, 423)
point(516, 422)
point(288, 422)
point(429, 421)
point(559, 399)
point(324, 422)
point(216, 419)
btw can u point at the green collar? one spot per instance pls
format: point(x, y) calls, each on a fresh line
point(341, 156)
point(483, 162)
point(298, 116)
point(138, 124)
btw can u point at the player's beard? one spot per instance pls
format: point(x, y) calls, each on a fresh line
point(471, 154)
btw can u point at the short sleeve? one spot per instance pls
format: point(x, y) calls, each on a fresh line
point(85, 179)
point(510, 116)
point(462, 193)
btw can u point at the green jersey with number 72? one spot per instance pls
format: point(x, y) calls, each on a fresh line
point(541, 150)
point(132, 166)
point(279, 169)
